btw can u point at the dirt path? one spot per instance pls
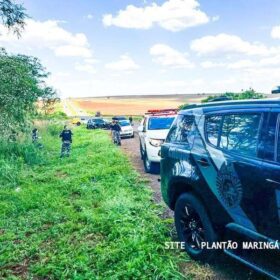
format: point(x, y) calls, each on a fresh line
point(226, 268)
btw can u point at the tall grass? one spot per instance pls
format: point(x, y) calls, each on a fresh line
point(14, 155)
point(89, 216)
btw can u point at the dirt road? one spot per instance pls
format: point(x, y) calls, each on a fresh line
point(226, 268)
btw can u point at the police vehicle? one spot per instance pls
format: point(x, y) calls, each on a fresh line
point(152, 133)
point(220, 173)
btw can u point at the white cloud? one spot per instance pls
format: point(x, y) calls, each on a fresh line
point(275, 32)
point(167, 56)
point(71, 50)
point(125, 63)
point(173, 15)
point(243, 63)
point(48, 34)
point(227, 44)
point(89, 16)
point(91, 60)
point(211, 64)
point(88, 68)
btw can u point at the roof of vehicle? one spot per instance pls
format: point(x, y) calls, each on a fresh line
point(119, 118)
point(234, 104)
point(96, 118)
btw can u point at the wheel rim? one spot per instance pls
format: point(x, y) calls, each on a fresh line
point(192, 229)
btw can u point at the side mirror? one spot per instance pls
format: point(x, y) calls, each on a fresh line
point(140, 128)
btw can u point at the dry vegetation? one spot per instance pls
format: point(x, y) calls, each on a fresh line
point(134, 105)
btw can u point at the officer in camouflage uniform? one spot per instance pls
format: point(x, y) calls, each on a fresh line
point(115, 132)
point(66, 137)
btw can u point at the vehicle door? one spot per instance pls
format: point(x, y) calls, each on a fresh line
point(270, 150)
point(240, 180)
point(175, 152)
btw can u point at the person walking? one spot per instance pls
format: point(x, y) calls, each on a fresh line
point(131, 120)
point(66, 138)
point(115, 132)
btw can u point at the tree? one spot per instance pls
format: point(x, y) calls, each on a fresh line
point(22, 86)
point(13, 16)
point(247, 94)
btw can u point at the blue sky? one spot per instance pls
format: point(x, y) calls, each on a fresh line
point(96, 48)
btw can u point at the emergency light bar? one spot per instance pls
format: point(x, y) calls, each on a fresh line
point(162, 112)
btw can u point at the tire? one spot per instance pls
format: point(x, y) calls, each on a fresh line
point(141, 152)
point(150, 167)
point(78, 123)
point(193, 226)
point(132, 136)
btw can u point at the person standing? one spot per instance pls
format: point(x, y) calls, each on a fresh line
point(131, 120)
point(116, 132)
point(35, 136)
point(66, 138)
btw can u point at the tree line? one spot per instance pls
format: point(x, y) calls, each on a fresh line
point(22, 78)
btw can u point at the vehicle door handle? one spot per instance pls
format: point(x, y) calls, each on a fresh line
point(203, 162)
point(272, 181)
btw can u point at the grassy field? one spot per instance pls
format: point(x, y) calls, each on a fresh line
point(89, 216)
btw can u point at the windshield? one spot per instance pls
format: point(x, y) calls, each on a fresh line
point(124, 123)
point(160, 123)
point(97, 120)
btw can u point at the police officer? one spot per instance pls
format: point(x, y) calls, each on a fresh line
point(35, 136)
point(115, 130)
point(66, 138)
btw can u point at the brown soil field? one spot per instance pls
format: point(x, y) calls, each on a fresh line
point(133, 105)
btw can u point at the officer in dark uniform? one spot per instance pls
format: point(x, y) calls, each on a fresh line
point(66, 137)
point(35, 136)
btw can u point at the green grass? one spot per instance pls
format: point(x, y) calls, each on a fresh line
point(89, 216)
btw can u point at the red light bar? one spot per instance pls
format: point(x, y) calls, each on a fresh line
point(162, 112)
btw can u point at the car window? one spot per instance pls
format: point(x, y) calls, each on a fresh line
point(98, 121)
point(156, 123)
point(124, 123)
point(212, 127)
point(182, 130)
point(240, 133)
point(268, 137)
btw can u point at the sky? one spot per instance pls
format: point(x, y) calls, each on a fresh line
point(126, 47)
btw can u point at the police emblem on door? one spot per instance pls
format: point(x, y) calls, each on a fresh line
point(229, 186)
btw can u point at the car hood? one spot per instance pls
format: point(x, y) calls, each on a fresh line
point(126, 128)
point(157, 134)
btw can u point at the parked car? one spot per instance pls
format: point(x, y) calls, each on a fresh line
point(220, 173)
point(127, 129)
point(76, 121)
point(95, 123)
point(276, 90)
point(152, 133)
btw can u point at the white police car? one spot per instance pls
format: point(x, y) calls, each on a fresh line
point(152, 131)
